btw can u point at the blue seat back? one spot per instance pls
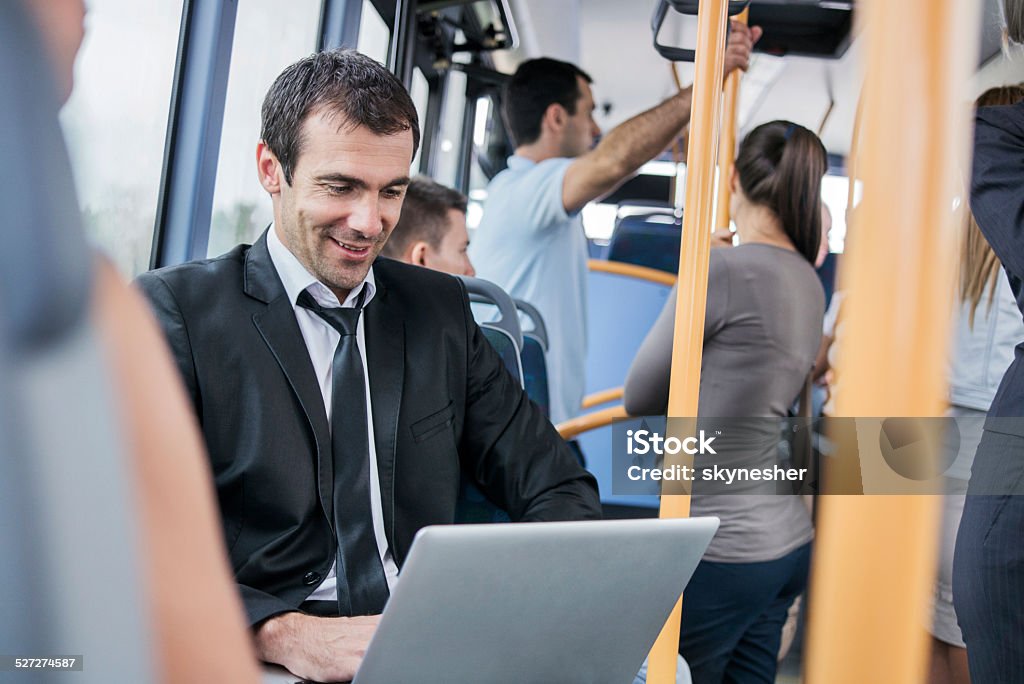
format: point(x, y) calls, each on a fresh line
point(505, 336)
point(650, 240)
point(620, 312)
point(534, 356)
point(535, 373)
point(506, 348)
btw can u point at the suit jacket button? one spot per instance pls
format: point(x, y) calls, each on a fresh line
point(311, 578)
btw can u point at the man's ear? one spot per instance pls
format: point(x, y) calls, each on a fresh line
point(555, 117)
point(418, 253)
point(268, 168)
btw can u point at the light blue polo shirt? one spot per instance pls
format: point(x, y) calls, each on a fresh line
point(536, 251)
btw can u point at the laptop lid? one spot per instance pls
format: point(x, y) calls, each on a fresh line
point(533, 602)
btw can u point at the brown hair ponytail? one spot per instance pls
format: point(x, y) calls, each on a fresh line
point(979, 266)
point(780, 166)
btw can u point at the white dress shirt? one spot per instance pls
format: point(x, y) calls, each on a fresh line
point(321, 341)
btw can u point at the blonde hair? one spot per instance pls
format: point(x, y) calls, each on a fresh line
point(979, 266)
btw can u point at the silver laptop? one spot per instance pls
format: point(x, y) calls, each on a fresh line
point(533, 602)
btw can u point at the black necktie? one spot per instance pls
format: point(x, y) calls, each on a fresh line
point(362, 587)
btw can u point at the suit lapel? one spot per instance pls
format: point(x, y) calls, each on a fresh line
point(279, 329)
point(385, 360)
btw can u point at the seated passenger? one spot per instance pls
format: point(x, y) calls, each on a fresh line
point(340, 396)
point(762, 330)
point(530, 241)
point(431, 232)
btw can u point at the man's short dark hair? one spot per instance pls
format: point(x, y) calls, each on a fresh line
point(351, 87)
point(424, 215)
point(536, 85)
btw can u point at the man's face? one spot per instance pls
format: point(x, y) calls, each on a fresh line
point(581, 130)
point(451, 256)
point(344, 200)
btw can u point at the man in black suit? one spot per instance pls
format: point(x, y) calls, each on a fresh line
point(342, 396)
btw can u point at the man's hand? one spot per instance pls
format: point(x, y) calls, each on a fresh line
point(315, 648)
point(741, 42)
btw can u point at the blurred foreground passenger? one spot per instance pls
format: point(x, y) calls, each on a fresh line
point(762, 331)
point(988, 563)
point(530, 240)
point(110, 542)
point(342, 396)
point(431, 231)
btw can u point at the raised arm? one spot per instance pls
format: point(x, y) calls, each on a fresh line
point(636, 141)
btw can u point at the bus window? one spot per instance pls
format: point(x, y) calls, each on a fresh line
point(834, 193)
point(420, 92)
point(116, 119)
point(374, 34)
point(241, 208)
point(478, 178)
point(446, 166)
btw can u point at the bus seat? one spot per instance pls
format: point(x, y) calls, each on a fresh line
point(493, 307)
point(650, 240)
point(534, 357)
point(506, 348)
point(504, 333)
point(536, 329)
point(495, 312)
point(620, 312)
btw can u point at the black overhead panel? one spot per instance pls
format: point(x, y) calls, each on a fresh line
point(799, 27)
point(643, 187)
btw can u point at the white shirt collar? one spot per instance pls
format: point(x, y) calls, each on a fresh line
point(296, 278)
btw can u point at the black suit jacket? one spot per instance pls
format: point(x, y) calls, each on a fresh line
point(442, 402)
point(997, 200)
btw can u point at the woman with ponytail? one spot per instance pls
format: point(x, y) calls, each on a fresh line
point(762, 331)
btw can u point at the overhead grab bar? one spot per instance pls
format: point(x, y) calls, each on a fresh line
point(687, 7)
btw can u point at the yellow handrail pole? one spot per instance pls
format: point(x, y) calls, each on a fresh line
point(651, 275)
point(694, 252)
point(569, 429)
point(875, 556)
point(602, 397)
point(727, 143)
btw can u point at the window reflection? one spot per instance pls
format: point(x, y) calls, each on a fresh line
point(116, 120)
point(241, 208)
point(374, 35)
